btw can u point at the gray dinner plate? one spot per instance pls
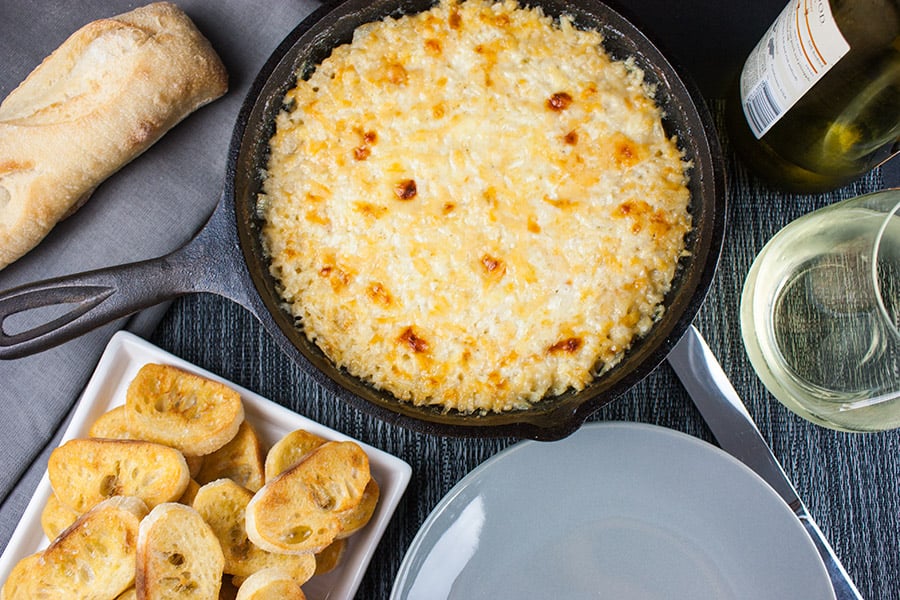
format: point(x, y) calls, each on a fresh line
point(617, 510)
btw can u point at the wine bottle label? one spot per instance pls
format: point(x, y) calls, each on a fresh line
point(801, 46)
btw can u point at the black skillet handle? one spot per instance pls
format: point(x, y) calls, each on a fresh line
point(76, 304)
point(57, 310)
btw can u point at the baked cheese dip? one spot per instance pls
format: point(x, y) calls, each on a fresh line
point(474, 207)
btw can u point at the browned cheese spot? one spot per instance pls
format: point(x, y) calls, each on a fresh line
point(314, 216)
point(338, 278)
point(626, 153)
point(493, 267)
point(454, 20)
point(406, 189)
point(361, 152)
point(364, 150)
point(559, 101)
point(416, 343)
point(367, 209)
point(561, 203)
point(433, 47)
point(379, 294)
point(660, 223)
point(396, 74)
point(569, 345)
point(571, 138)
point(632, 208)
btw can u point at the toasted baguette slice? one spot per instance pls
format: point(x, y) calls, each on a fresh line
point(354, 519)
point(179, 409)
point(241, 460)
point(83, 472)
point(270, 584)
point(111, 90)
point(115, 424)
point(190, 493)
point(178, 556)
point(92, 559)
point(223, 504)
point(129, 594)
point(329, 558)
point(56, 517)
point(299, 511)
point(290, 450)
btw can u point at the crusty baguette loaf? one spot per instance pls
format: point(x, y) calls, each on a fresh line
point(92, 559)
point(270, 584)
point(178, 556)
point(223, 504)
point(104, 96)
point(56, 517)
point(298, 511)
point(83, 472)
point(241, 460)
point(290, 450)
point(170, 406)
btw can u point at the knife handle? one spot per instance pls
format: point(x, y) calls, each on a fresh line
point(844, 588)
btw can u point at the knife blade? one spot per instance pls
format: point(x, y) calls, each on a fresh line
point(733, 427)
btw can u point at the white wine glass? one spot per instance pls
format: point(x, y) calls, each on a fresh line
point(820, 314)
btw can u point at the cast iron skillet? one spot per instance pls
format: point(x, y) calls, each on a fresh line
point(226, 257)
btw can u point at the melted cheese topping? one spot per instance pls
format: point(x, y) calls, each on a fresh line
point(474, 206)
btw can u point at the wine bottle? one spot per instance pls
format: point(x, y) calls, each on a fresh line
point(818, 100)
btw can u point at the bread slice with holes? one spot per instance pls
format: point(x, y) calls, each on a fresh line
point(270, 584)
point(290, 450)
point(241, 460)
point(56, 517)
point(115, 424)
point(299, 511)
point(223, 504)
point(171, 406)
point(83, 472)
point(178, 556)
point(94, 558)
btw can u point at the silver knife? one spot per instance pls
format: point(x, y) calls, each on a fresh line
point(734, 429)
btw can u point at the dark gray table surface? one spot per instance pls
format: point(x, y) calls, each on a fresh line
point(850, 482)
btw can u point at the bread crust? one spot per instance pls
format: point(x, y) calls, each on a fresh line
point(177, 554)
point(270, 584)
point(92, 559)
point(110, 91)
point(180, 409)
point(83, 472)
point(299, 511)
point(222, 504)
point(240, 460)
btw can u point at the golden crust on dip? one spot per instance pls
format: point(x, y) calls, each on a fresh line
point(474, 207)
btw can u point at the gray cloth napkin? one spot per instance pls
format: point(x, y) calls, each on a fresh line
point(147, 209)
